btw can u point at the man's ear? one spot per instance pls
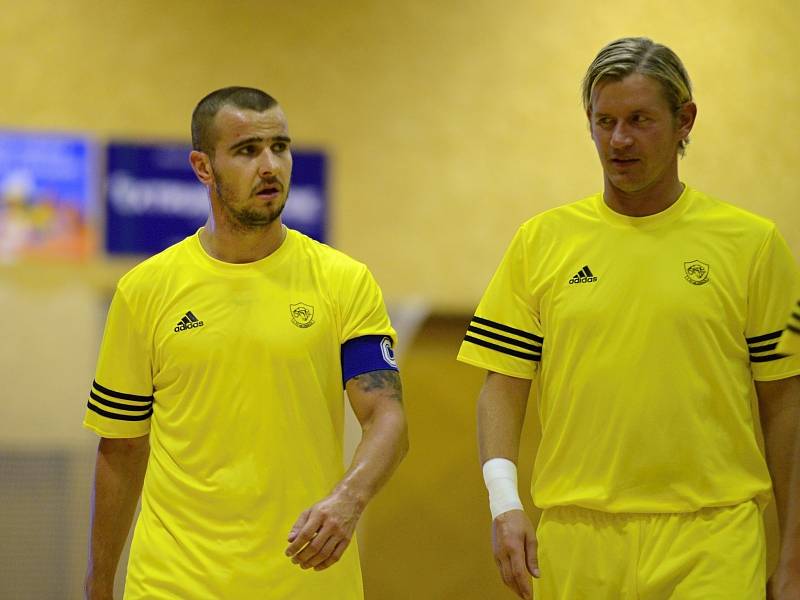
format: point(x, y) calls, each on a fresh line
point(589, 124)
point(201, 165)
point(687, 114)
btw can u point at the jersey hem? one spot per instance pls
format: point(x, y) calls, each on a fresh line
point(760, 498)
point(494, 369)
point(778, 377)
point(112, 434)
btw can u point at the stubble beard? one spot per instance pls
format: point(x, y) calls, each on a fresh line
point(246, 219)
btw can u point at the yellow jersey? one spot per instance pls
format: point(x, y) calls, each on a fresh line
point(234, 372)
point(644, 336)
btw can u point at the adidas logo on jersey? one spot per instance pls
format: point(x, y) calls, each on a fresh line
point(585, 275)
point(189, 321)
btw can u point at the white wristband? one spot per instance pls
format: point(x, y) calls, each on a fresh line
point(500, 476)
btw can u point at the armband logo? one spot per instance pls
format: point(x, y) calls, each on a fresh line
point(696, 272)
point(388, 352)
point(302, 314)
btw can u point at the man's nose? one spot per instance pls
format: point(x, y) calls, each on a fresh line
point(268, 163)
point(620, 136)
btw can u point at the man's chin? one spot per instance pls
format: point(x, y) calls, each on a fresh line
point(257, 219)
point(625, 184)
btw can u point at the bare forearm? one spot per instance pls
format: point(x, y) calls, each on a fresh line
point(322, 532)
point(384, 440)
point(119, 474)
point(783, 457)
point(383, 445)
point(501, 414)
point(780, 419)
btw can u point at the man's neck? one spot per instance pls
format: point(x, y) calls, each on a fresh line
point(241, 246)
point(642, 203)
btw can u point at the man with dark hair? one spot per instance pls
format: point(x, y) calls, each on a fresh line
point(218, 391)
point(647, 315)
point(205, 111)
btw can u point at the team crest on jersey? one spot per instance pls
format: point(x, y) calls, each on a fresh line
point(302, 314)
point(696, 272)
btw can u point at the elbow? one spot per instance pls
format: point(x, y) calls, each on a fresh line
point(405, 445)
point(401, 441)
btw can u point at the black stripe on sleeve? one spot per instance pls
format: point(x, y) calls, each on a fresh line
point(120, 395)
point(117, 405)
point(503, 349)
point(507, 329)
point(119, 417)
point(503, 338)
point(793, 328)
point(766, 348)
point(763, 338)
point(767, 357)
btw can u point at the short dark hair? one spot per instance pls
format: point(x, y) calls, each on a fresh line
point(208, 107)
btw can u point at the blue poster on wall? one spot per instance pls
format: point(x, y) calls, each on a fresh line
point(48, 195)
point(153, 199)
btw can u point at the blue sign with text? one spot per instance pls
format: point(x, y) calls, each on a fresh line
point(153, 199)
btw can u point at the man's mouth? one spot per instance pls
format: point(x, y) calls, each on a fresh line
point(624, 161)
point(268, 191)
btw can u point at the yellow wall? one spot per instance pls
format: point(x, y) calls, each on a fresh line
point(452, 116)
point(448, 124)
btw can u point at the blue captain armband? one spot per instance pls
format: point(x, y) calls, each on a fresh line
point(367, 353)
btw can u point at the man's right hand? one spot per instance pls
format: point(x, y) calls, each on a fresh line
point(515, 547)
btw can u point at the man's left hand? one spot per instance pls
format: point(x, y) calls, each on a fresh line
point(321, 534)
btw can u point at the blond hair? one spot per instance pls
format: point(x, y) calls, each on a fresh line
point(630, 55)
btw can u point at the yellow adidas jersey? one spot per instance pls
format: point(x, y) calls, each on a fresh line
point(234, 371)
point(646, 334)
point(790, 340)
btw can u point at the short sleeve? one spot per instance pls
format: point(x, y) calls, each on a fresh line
point(362, 308)
point(121, 399)
point(505, 334)
point(774, 284)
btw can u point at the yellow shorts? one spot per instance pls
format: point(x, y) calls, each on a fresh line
point(711, 554)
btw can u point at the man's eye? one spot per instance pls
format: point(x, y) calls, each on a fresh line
point(279, 147)
point(246, 150)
